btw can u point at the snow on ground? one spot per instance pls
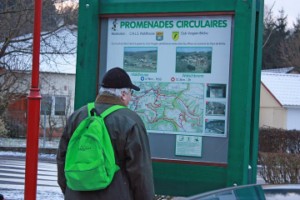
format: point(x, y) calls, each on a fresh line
point(11, 142)
point(22, 154)
point(12, 194)
point(43, 193)
point(16, 191)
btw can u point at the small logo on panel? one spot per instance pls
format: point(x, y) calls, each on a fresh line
point(159, 36)
point(175, 35)
point(114, 26)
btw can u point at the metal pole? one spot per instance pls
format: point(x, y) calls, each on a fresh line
point(44, 133)
point(33, 110)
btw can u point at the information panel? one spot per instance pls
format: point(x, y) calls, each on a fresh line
point(182, 66)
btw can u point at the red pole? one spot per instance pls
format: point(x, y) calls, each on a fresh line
point(33, 111)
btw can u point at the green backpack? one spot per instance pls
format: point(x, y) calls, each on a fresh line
point(90, 160)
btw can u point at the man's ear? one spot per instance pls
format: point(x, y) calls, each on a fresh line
point(123, 97)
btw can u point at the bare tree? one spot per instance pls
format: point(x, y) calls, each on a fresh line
point(68, 111)
point(16, 22)
point(68, 11)
point(58, 43)
point(268, 23)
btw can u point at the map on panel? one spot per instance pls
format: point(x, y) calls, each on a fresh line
point(167, 107)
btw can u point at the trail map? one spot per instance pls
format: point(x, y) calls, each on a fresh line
point(170, 107)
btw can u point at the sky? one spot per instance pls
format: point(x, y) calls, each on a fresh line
point(291, 8)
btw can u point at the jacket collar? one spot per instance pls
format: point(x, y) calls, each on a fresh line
point(108, 99)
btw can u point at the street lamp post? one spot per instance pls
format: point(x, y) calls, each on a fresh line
point(33, 111)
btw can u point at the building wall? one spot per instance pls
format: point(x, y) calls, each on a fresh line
point(272, 114)
point(293, 115)
point(51, 85)
point(57, 85)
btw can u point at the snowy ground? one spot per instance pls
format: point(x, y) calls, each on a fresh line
point(47, 188)
point(9, 142)
point(16, 192)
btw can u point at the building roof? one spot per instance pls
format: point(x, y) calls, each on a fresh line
point(65, 41)
point(57, 52)
point(284, 70)
point(284, 87)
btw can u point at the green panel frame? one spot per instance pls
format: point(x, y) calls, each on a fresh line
point(256, 91)
point(187, 179)
point(177, 178)
point(164, 6)
point(241, 93)
point(87, 53)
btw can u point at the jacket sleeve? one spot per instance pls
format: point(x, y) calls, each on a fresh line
point(138, 163)
point(60, 159)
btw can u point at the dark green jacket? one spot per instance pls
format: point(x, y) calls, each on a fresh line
point(130, 141)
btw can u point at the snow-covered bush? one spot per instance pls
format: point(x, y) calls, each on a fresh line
point(3, 130)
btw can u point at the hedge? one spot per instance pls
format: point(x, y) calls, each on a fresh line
point(279, 155)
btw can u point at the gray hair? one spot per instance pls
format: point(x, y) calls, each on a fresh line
point(113, 91)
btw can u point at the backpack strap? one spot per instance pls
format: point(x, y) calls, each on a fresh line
point(92, 109)
point(111, 109)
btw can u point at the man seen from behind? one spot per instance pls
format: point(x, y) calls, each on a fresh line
point(134, 180)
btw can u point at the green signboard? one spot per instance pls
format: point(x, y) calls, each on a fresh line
point(182, 66)
point(197, 64)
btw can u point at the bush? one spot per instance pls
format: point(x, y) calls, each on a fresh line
point(280, 168)
point(279, 155)
point(15, 130)
point(279, 141)
point(3, 130)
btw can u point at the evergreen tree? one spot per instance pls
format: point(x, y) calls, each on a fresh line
point(275, 35)
point(297, 26)
point(290, 50)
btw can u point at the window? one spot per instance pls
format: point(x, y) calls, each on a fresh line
point(55, 103)
point(60, 106)
point(46, 105)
